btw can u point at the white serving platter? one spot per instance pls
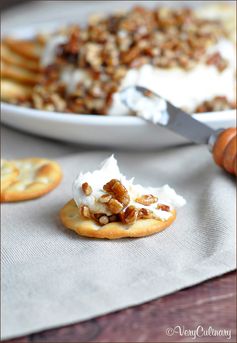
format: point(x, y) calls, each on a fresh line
point(96, 130)
point(103, 131)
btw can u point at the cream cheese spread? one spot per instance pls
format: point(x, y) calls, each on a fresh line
point(152, 108)
point(110, 170)
point(49, 55)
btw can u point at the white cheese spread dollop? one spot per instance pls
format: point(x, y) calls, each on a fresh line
point(110, 170)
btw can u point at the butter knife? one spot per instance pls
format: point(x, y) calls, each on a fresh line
point(153, 108)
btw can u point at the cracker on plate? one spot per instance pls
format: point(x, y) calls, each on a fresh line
point(10, 57)
point(24, 48)
point(20, 69)
point(18, 74)
point(11, 91)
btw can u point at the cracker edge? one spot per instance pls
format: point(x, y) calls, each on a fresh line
point(24, 196)
point(115, 230)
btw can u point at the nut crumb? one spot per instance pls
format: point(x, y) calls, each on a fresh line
point(163, 207)
point(144, 213)
point(105, 198)
point(115, 206)
point(147, 199)
point(103, 220)
point(86, 188)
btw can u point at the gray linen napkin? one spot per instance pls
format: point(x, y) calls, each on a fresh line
point(52, 277)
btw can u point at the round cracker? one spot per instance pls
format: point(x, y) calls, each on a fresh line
point(28, 49)
point(71, 219)
point(9, 173)
point(37, 177)
point(11, 90)
point(18, 74)
point(10, 57)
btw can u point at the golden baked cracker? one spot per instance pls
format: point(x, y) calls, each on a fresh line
point(37, 176)
point(25, 48)
point(71, 219)
point(18, 74)
point(9, 173)
point(10, 57)
point(11, 91)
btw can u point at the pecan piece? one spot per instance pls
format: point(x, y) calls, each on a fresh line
point(163, 207)
point(129, 56)
point(86, 188)
point(118, 191)
point(129, 216)
point(147, 199)
point(115, 206)
point(217, 60)
point(103, 220)
point(144, 213)
point(113, 218)
point(105, 198)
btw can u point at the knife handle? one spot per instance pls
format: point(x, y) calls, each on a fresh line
point(224, 150)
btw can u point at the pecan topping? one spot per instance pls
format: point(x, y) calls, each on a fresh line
point(109, 46)
point(217, 60)
point(85, 211)
point(115, 206)
point(113, 218)
point(86, 188)
point(129, 56)
point(218, 103)
point(163, 207)
point(118, 191)
point(130, 215)
point(144, 213)
point(105, 198)
point(103, 220)
point(147, 199)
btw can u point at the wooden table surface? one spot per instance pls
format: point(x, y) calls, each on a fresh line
point(210, 304)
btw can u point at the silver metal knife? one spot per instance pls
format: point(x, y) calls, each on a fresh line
point(153, 108)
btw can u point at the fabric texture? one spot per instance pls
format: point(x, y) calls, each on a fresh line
point(53, 277)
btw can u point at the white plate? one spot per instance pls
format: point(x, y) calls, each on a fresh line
point(98, 131)
point(103, 131)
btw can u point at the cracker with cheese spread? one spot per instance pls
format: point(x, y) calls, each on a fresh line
point(108, 205)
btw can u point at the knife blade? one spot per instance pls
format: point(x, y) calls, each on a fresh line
point(170, 117)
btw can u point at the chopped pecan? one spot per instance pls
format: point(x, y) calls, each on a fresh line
point(103, 220)
point(115, 206)
point(105, 198)
point(147, 199)
point(119, 192)
point(129, 56)
point(163, 207)
point(130, 214)
point(144, 213)
point(113, 218)
point(86, 188)
point(217, 60)
point(107, 47)
point(218, 103)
